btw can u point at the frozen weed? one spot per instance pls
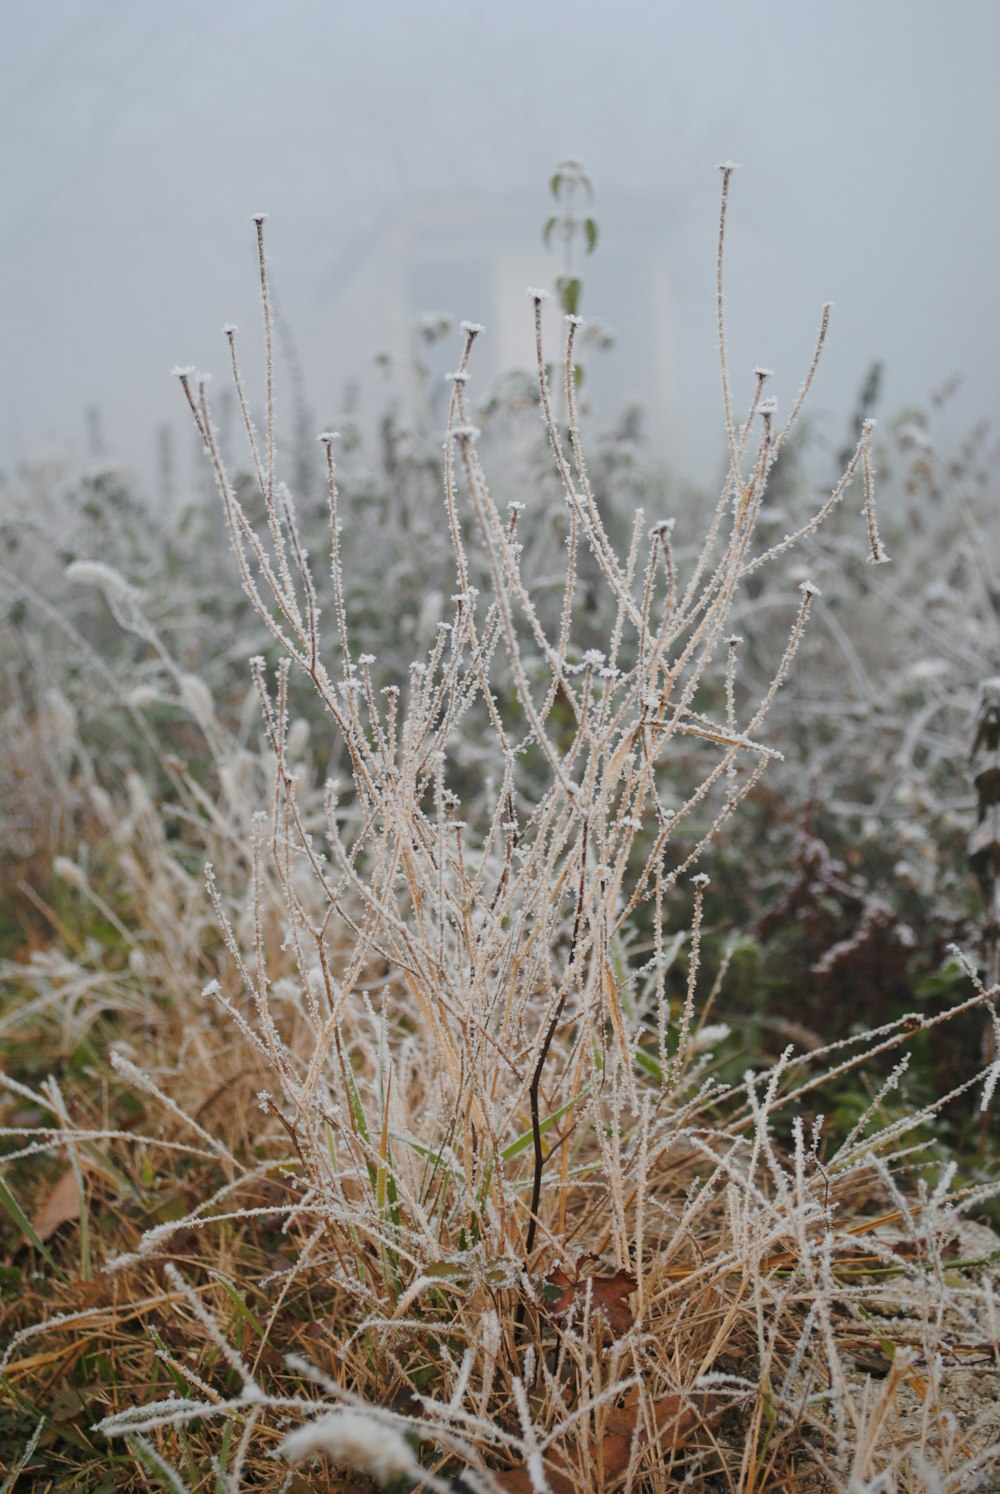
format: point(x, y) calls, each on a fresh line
point(493, 1214)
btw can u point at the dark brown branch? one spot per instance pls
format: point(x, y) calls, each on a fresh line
point(543, 1053)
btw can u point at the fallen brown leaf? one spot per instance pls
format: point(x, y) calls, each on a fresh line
point(608, 1294)
point(674, 1416)
point(675, 1419)
point(518, 1480)
point(61, 1205)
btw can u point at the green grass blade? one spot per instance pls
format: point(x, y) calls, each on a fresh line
point(644, 1060)
point(25, 1225)
point(182, 1386)
point(222, 1484)
point(23, 1458)
point(168, 1476)
point(526, 1138)
point(243, 1311)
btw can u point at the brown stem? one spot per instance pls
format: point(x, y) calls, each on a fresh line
point(543, 1053)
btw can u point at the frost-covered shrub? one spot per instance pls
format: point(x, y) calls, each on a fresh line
point(463, 1186)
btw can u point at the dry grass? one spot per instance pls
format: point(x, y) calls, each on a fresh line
point(443, 1142)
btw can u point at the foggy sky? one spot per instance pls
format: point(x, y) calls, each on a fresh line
point(137, 137)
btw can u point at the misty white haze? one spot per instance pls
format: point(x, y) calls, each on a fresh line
point(139, 137)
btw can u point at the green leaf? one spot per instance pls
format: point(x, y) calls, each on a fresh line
point(569, 288)
point(590, 233)
point(555, 185)
point(947, 981)
point(548, 230)
point(446, 1271)
point(578, 374)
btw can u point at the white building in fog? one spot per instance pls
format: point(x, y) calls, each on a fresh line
point(473, 258)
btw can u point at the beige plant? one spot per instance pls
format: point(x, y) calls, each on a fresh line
point(555, 1250)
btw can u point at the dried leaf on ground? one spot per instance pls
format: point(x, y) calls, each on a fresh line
point(675, 1418)
point(608, 1295)
point(61, 1205)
